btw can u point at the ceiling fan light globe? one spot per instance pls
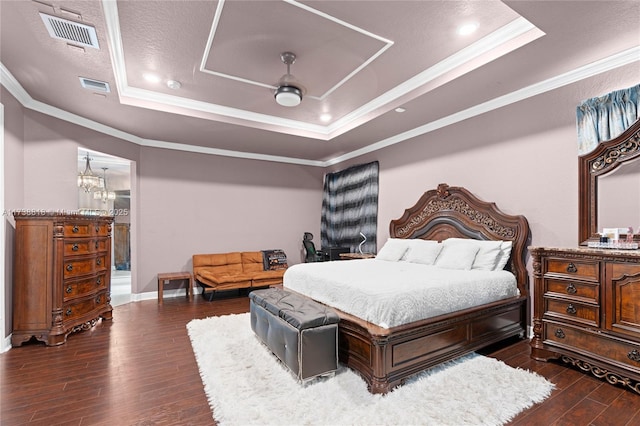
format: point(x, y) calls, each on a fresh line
point(288, 96)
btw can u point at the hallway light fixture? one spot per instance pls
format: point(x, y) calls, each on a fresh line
point(104, 194)
point(87, 180)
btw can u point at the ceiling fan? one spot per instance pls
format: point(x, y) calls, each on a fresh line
point(289, 91)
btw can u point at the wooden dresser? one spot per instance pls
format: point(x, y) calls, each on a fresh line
point(587, 311)
point(62, 275)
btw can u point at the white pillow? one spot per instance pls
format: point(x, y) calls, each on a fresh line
point(417, 242)
point(393, 250)
point(422, 251)
point(457, 256)
point(491, 256)
point(503, 257)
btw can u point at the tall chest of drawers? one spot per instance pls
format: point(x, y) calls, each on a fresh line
point(62, 275)
point(587, 311)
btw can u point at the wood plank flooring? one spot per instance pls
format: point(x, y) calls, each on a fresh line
point(139, 369)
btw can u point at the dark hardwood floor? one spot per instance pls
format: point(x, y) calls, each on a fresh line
point(139, 369)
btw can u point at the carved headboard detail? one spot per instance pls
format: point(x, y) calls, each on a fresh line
point(448, 212)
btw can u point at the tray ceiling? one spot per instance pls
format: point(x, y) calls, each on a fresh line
point(358, 61)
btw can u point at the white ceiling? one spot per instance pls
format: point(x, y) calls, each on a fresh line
point(358, 60)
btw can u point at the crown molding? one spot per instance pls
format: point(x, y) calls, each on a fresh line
point(503, 40)
point(606, 64)
point(448, 66)
point(11, 84)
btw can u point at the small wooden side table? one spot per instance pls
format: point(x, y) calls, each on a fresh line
point(357, 255)
point(167, 277)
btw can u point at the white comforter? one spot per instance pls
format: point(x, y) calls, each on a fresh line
point(394, 293)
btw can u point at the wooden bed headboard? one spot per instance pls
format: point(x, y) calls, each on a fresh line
point(450, 211)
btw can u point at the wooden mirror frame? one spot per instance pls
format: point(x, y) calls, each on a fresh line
point(608, 156)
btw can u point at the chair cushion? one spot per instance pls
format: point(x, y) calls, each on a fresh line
point(219, 277)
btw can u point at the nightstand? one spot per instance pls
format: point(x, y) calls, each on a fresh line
point(349, 256)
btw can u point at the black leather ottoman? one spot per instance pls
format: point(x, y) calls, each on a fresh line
point(302, 333)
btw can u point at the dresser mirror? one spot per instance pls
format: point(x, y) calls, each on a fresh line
point(609, 184)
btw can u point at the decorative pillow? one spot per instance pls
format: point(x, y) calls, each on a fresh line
point(422, 251)
point(490, 253)
point(393, 249)
point(457, 256)
point(273, 260)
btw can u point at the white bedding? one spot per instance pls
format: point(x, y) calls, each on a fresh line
point(394, 293)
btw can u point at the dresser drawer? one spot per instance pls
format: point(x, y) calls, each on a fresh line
point(73, 247)
point(79, 288)
point(78, 267)
point(74, 310)
point(572, 310)
point(595, 345)
point(581, 269)
point(84, 266)
point(573, 288)
point(78, 229)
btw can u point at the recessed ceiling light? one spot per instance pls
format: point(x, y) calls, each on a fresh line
point(174, 84)
point(399, 109)
point(325, 117)
point(152, 78)
point(467, 29)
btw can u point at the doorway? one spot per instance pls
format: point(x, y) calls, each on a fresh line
point(113, 197)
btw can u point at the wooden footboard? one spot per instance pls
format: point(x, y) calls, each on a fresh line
point(385, 358)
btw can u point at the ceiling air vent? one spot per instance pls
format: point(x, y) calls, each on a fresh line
point(70, 31)
point(95, 85)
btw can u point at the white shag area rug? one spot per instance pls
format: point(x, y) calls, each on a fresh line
point(247, 385)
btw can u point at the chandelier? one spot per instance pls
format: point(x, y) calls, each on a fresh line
point(104, 194)
point(88, 180)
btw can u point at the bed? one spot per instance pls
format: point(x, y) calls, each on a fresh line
point(386, 350)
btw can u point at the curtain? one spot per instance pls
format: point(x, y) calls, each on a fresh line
point(350, 207)
point(605, 117)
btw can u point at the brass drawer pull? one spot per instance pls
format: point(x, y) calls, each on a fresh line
point(634, 355)
point(75, 229)
point(559, 333)
point(571, 309)
point(99, 262)
point(69, 267)
point(571, 268)
point(97, 229)
point(99, 299)
point(97, 244)
point(99, 280)
point(74, 247)
point(571, 289)
point(69, 311)
point(69, 289)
